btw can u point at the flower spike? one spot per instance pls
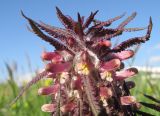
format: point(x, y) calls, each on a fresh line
point(88, 74)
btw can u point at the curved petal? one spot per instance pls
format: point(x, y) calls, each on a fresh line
point(123, 55)
point(110, 65)
point(126, 73)
point(58, 67)
point(49, 90)
point(48, 108)
point(51, 56)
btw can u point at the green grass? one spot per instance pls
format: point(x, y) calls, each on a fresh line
point(145, 84)
point(30, 104)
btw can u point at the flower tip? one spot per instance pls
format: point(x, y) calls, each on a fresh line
point(45, 55)
point(128, 100)
point(40, 91)
point(48, 108)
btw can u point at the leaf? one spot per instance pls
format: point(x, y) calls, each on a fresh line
point(125, 22)
point(108, 22)
point(62, 34)
point(79, 25)
point(134, 41)
point(151, 98)
point(143, 113)
point(58, 45)
point(133, 29)
point(151, 106)
point(109, 36)
point(56, 32)
point(29, 84)
point(89, 19)
point(68, 23)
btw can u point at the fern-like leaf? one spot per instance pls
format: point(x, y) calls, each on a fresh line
point(133, 29)
point(134, 41)
point(64, 20)
point(125, 22)
point(89, 19)
point(29, 84)
point(58, 45)
point(108, 22)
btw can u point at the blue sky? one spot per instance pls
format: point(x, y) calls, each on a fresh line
point(16, 42)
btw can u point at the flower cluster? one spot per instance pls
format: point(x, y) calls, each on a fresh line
point(87, 71)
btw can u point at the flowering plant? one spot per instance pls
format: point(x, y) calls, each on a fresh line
point(88, 73)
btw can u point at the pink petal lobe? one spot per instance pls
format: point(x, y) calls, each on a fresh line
point(68, 107)
point(128, 100)
point(123, 55)
point(48, 108)
point(51, 56)
point(126, 73)
point(105, 43)
point(105, 92)
point(49, 90)
point(58, 67)
point(110, 65)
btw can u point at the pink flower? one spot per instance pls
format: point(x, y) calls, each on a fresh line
point(128, 100)
point(48, 108)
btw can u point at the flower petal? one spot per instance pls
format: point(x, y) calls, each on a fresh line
point(68, 107)
point(127, 100)
point(123, 55)
point(48, 108)
point(126, 73)
point(58, 68)
point(51, 55)
point(110, 65)
point(105, 43)
point(105, 92)
point(49, 90)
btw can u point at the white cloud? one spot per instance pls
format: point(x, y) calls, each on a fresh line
point(154, 59)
